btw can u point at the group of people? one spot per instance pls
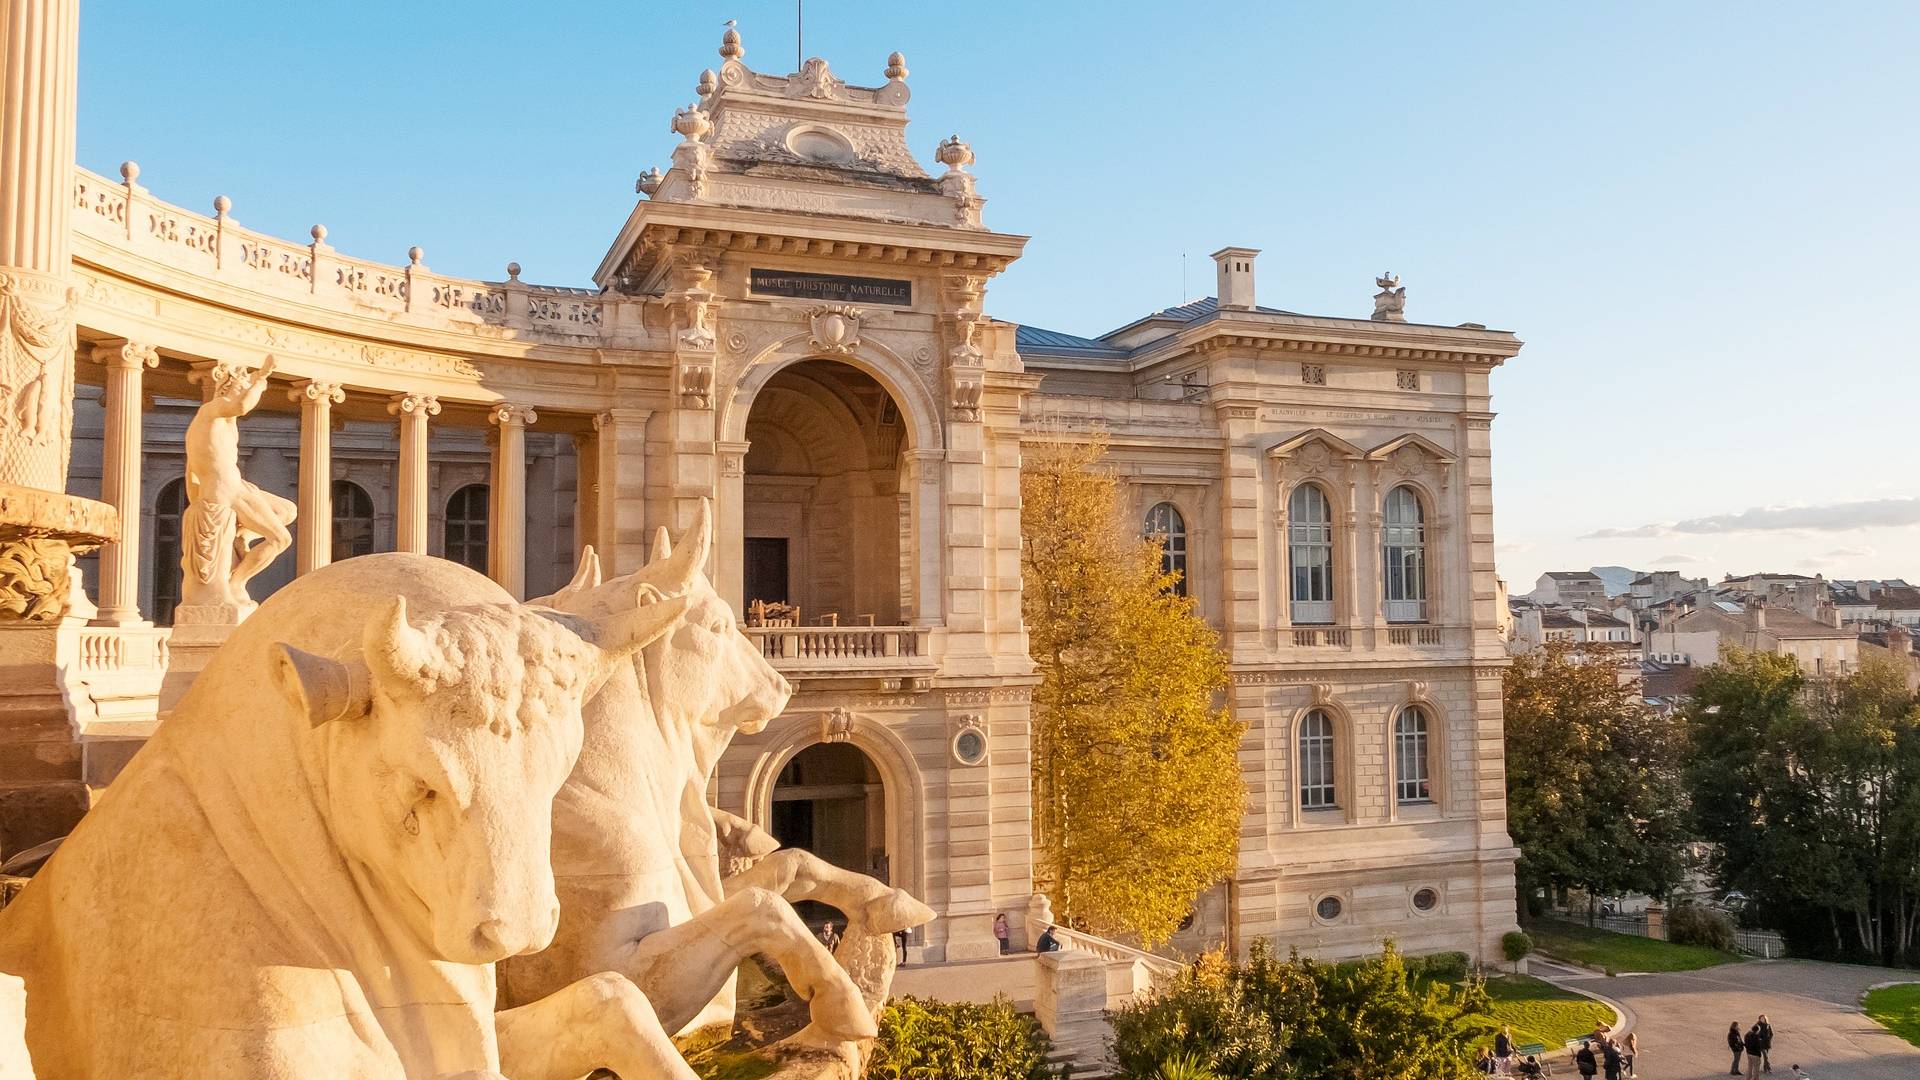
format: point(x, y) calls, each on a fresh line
point(1602, 1052)
point(1757, 1044)
point(830, 937)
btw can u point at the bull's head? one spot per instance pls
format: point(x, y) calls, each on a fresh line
point(446, 746)
point(707, 676)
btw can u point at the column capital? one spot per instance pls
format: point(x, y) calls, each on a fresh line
point(504, 414)
point(411, 404)
point(314, 390)
point(123, 354)
point(621, 416)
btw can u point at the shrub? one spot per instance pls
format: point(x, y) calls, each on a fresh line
point(939, 1040)
point(1515, 945)
point(1184, 1067)
point(1203, 1018)
point(1446, 967)
point(1696, 924)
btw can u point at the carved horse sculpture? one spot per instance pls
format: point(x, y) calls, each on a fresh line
point(637, 848)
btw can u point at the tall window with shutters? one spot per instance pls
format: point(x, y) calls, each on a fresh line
point(1310, 554)
point(1317, 788)
point(1404, 556)
point(1166, 527)
point(465, 531)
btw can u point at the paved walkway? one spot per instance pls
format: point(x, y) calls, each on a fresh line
point(1682, 1018)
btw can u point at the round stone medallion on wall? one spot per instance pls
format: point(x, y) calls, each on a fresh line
point(1425, 900)
point(970, 746)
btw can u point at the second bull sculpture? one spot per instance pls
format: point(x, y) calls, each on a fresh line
point(637, 849)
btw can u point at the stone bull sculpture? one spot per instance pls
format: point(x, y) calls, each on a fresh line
point(637, 848)
point(313, 866)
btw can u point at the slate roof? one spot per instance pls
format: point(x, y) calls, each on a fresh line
point(1034, 339)
point(1897, 599)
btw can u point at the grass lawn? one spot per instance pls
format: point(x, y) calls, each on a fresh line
point(1616, 953)
point(1541, 1012)
point(1897, 1008)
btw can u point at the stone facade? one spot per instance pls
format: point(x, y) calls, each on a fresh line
point(791, 325)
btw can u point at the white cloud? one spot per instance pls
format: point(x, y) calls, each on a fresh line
point(1848, 553)
point(1677, 560)
point(1833, 517)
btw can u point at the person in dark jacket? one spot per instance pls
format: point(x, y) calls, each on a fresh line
point(1503, 1046)
point(1735, 1044)
point(1766, 1044)
point(1047, 942)
point(1752, 1043)
point(1584, 1060)
point(1610, 1056)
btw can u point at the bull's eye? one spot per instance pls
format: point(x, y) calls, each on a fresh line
point(411, 823)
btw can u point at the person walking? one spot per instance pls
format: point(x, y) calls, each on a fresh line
point(1632, 1052)
point(1752, 1043)
point(1736, 1044)
point(1503, 1047)
point(1766, 1044)
point(1584, 1061)
point(1000, 932)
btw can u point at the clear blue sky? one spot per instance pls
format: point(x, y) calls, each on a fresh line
point(1695, 214)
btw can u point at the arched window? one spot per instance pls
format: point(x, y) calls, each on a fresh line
point(1316, 761)
point(1403, 541)
point(1412, 769)
point(168, 506)
point(1310, 554)
point(352, 520)
point(466, 528)
point(1167, 528)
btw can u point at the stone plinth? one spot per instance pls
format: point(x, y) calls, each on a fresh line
point(1070, 1001)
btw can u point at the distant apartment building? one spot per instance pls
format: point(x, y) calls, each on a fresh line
point(1660, 586)
point(1567, 588)
point(1698, 635)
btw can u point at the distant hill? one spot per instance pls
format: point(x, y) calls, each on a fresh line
point(1618, 579)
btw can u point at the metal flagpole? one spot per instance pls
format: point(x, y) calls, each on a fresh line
point(799, 34)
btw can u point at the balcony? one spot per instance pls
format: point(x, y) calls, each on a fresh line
point(902, 651)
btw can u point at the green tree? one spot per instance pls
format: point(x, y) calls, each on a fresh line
point(1593, 793)
point(1809, 791)
point(1138, 794)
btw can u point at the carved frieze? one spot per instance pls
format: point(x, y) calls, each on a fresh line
point(34, 584)
point(36, 378)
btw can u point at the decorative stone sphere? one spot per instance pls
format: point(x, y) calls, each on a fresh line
point(414, 255)
point(319, 233)
point(896, 66)
point(513, 271)
point(222, 204)
point(129, 171)
point(953, 153)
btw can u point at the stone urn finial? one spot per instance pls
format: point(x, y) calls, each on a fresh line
point(709, 82)
point(730, 47)
point(691, 123)
point(896, 67)
point(649, 181)
point(954, 154)
point(1390, 303)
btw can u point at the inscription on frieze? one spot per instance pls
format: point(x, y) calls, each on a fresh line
point(884, 291)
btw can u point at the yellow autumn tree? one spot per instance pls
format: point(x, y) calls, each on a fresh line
point(1137, 793)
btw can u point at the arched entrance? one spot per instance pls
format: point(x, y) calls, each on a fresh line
point(826, 527)
point(830, 800)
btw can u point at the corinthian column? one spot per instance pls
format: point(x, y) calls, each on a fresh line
point(507, 517)
point(410, 523)
point(120, 478)
point(313, 528)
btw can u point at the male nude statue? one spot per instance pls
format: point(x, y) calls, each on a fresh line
point(214, 482)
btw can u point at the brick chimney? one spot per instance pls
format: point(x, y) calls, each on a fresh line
point(1756, 614)
point(1235, 276)
point(1899, 642)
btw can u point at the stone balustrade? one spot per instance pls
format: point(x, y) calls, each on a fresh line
point(844, 648)
point(125, 216)
point(115, 673)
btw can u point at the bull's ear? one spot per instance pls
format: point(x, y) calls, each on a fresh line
point(621, 634)
point(586, 578)
point(322, 689)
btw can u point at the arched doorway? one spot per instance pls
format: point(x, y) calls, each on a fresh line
point(830, 800)
point(826, 528)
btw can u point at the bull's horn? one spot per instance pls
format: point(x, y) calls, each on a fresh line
point(586, 578)
point(396, 647)
point(687, 560)
point(625, 632)
point(323, 689)
point(662, 547)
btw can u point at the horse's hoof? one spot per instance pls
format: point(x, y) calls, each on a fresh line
point(895, 911)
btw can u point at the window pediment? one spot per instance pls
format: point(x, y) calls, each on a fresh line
point(1315, 452)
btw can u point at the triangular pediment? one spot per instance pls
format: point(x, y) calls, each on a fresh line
point(1334, 446)
point(1395, 449)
